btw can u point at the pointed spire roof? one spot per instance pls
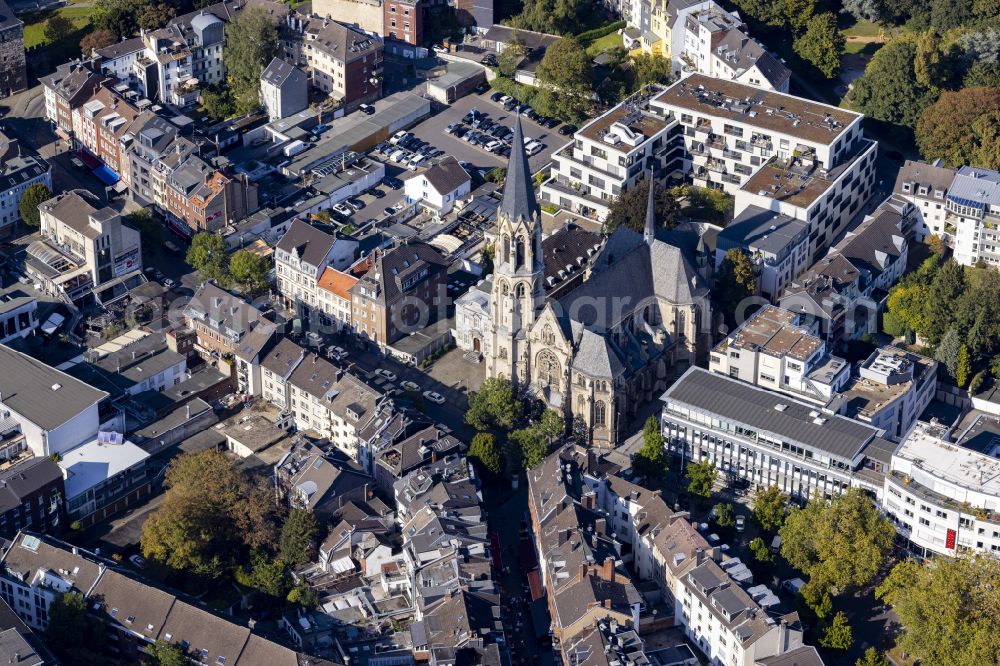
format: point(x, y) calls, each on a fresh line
point(518, 189)
point(649, 234)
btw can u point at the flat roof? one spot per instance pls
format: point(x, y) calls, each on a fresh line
point(773, 330)
point(770, 412)
point(94, 462)
point(955, 463)
point(644, 123)
point(767, 110)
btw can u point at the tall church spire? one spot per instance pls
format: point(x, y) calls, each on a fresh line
point(649, 234)
point(518, 189)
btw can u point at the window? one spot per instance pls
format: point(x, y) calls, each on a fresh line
point(600, 413)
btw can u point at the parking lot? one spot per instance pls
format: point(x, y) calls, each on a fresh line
point(432, 130)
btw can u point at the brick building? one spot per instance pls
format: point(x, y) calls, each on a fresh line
point(404, 21)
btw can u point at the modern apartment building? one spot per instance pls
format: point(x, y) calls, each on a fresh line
point(944, 497)
point(780, 153)
point(66, 90)
point(757, 437)
point(609, 155)
point(776, 243)
point(773, 350)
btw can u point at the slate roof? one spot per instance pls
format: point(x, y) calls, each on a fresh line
point(312, 245)
point(595, 356)
point(124, 47)
point(759, 229)
point(282, 358)
point(518, 188)
point(447, 175)
point(40, 393)
point(279, 71)
point(755, 408)
point(391, 269)
point(932, 176)
point(25, 477)
point(344, 43)
point(805, 655)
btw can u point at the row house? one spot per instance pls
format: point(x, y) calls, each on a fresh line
point(318, 479)
point(19, 170)
point(301, 257)
point(66, 90)
point(101, 126)
point(221, 320)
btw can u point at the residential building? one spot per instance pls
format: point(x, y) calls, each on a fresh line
point(499, 37)
point(343, 61)
point(19, 170)
point(276, 366)
point(943, 496)
point(761, 438)
point(66, 90)
point(13, 71)
point(154, 140)
point(101, 129)
point(220, 320)
point(366, 14)
point(53, 411)
point(82, 246)
point(18, 314)
point(777, 244)
point(36, 570)
point(403, 291)
point(891, 391)
point(104, 476)
point(773, 350)
point(284, 89)
point(404, 21)
point(139, 361)
point(301, 256)
point(780, 153)
point(973, 211)
point(334, 298)
point(610, 155)
point(118, 60)
point(313, 479)
point(841, 296)
point(926, 186)
point(440, 187)
point(32, 496)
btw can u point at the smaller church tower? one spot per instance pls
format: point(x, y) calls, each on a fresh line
point(649, 233)
point(519, 270)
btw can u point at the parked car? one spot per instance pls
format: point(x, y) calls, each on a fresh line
point(397, 137)
point(492, 146)
point(470, 116)
point(497, 97)
point(367, 109)
point(407, 385)
point(551, 122)
point(793, 585)
point(490, 60)
point(566, 130)
point(169, 284)
point(389, 210)
point(415, 162)
point(436, 398)
point(336, 353)
point(319, 129)
point(343, 209)
point(505, 99)
point(450, 129)
point(526, 111)
point(437, 48)
point(77, 162)
point(776, 544)
point(533, 147)
point(138, 561)
point(388, 374)
point(376, 192)
point(355, 203)
point(741, 523)
point(392, 183)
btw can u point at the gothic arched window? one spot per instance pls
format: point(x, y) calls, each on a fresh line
point(600, 413)
point(549, 371)
point(520, 257)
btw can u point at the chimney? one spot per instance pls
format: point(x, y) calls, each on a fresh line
point(608, 570)
point(699, 555)
point(583, 571)
point(607, 604)
point(600, 526)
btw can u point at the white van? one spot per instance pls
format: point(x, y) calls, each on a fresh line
point(775, 544)
point(793, 585)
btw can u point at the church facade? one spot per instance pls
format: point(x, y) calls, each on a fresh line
point(597, 351)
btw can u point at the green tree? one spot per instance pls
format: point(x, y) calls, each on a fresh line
point(889, 89)
point(210, 512)
point(155, 16)
point(34, 195)
point(946, 289)
point(872, 657)
point(842, 542)
point(250, 271)
point(735, 281)
point(57, 28)
point(552, 425)
point(564, 73)
point(207, 255)
point(251, 43)
point(650, 68)
point(298, 537)
point(73, 635)
point(948, 610)
point(837, 635)
point(948, 352)
point(945, 129)
point(629, 209)
point(267, 576)
point(822, 44)
point(303, 595)
point(906, 310)
point(798, 13)
point(724, 514)
point(704, 203)
point(119, 16)
point(494, 405)
point(556, 17)
point(761, 551)
point(987, 130)
point(531, 448)
point(701, 477)
point(217, 101)
point(769, 507)
point(949, 14)
point(651, 459)
point(165, 653)
point(963, 367)
point(484, 449)
point(511, 56)
point(98, 39)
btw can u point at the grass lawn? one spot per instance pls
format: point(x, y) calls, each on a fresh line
point(862, 29)
point(604, 43)
point(34, 22)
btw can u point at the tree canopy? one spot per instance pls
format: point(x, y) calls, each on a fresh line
point(556, 17)
point(840, 543)
point(97, 39)
point(74, 636)
point(651, 459)
point(251, 43)
point(629, 209)
point(769, 507)
point(298, 536)
point(165, 653)
point(494, 405)
point(207, 255)
point(701, 477)
point(209, 510)
point(250, 271)
point(948, 609)
point(889, 89)
point(735, 281)
point(484, 449)
point(822, 44)
point(837, 635)
point(564, 74)
point(949, 129)
point(33, 196)
point(57, 28)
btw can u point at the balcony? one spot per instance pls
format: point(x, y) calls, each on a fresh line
point(716, 141)
point(716, 165)
point(732, 155)
point(761, 142)
point(703, 126)
point(698, 149)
